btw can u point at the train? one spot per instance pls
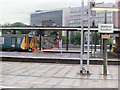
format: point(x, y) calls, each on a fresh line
point(18, 42)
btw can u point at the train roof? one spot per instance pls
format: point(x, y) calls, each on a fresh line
point(13, 35)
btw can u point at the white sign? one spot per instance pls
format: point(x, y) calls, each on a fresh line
point(105, 28)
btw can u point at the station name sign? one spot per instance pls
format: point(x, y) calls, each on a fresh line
point(105, 28)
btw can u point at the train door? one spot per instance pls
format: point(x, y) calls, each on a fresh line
point(13, 42)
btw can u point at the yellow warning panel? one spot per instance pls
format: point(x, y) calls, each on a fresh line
point(105, 36)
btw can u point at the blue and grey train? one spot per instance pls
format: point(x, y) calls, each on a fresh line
point(18, 42)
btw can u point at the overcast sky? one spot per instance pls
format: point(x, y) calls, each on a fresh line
point(19, 10)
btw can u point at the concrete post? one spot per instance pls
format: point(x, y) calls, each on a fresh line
point(105, 57)
point(14, 31)
point(105, 50)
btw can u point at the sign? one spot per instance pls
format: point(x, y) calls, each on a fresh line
point(105, 36)
point(105, 28)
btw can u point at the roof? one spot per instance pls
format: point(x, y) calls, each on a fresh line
point(13, 35)
point(52, 10)
point(53, 28)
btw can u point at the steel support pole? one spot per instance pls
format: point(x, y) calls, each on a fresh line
point(83, 41)
point(88, 44)
point(40, 40)
point(14, 31)
point(91, 42)
point(95, 40)
point(67, 40)
point(81, 59)
point(94, 43)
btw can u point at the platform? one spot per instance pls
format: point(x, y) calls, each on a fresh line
point(66, 58)
point(64, 51)
point(44, 75)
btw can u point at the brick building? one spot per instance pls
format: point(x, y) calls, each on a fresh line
point(117, 24)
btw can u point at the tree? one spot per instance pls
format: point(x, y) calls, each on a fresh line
point(110, 41)
point(20, 24)
point(98, 38)
point(72, 37)
point(77, 39)
point(64, 39)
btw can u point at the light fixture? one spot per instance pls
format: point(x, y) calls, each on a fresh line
point(104, 9)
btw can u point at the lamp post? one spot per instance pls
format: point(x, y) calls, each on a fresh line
point(88, 44)
point(81, 59)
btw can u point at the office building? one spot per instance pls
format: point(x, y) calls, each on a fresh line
point(59, 17)
point(98, 16)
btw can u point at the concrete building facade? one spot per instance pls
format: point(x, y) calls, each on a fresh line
point(72, 16)
point(98, 16)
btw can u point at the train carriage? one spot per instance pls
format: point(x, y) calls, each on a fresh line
point(17, 42)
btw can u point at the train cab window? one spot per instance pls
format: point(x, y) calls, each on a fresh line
point(1, 40)
point(14, 39)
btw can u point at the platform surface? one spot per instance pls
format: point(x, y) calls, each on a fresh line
point(42, 75)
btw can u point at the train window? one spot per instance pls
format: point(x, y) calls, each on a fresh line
point(13, 41)
point(1, 40)
point(18, 40)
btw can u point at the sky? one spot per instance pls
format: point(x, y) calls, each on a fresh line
point(20, 10)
